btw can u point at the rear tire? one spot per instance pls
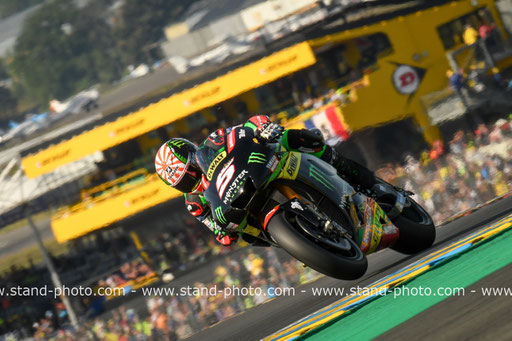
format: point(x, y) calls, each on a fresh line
point(417, 230)
point(314, 255)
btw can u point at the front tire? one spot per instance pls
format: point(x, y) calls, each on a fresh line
point(311, 253)
point(417, 230)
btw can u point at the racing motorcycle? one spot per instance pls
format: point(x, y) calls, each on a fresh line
point(298, 202)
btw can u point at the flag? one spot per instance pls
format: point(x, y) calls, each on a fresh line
point(330, 122)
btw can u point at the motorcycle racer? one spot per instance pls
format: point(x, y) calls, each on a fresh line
point(177, 165)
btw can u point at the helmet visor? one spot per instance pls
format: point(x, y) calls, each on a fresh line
point(190, 179)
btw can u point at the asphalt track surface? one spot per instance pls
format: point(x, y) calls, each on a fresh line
point(263, 320)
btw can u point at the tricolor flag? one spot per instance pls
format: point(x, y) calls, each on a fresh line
point(331, 124)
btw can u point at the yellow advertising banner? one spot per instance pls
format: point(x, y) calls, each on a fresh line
point(166, 111)
point(96, 215)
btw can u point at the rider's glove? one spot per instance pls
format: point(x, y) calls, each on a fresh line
point(269, 132)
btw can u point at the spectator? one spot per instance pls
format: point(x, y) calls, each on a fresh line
point(499, 82)
point(470, 35)
point(458, 83)
point(485, 30)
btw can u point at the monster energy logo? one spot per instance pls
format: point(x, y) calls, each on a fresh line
point(177, 143)
point(316, 174)
point(257, 158)
point(220, 216)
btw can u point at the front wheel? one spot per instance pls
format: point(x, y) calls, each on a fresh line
point(346, 264)
point(417, 230)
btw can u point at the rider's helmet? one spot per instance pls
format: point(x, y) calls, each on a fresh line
point(176, 165)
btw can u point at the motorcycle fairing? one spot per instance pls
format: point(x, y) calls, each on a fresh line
point(377, 231)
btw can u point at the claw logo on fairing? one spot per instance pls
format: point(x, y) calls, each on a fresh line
point(257, 158)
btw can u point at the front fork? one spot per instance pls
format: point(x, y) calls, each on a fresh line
point(328, 225)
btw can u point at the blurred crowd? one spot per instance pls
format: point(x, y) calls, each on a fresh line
point(242, 271)
point(470, 169)
point(174, 317)
point(19, 312)
point(177, 252)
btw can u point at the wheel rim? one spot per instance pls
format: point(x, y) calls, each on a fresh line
point(344, 247)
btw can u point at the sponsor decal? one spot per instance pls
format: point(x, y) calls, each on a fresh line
point(292, 166)
point(235, 186)
point(217, 137)
point(306, 150)
point(204, 183)
point(257, 158)
point(259, 120)
point(407, 79)
point(143, 197)
point(53, 158)
point(202, 95)
point(374, 230)
point(209, 224)
point(127, 127)
point(170, 171)
point(241, 133)
point(177, 143)
point(316, 174)
point(232, 227)
point(215, 163)
point(279, 64)
point(296, 206)
point(231, 141)
point(272, 164)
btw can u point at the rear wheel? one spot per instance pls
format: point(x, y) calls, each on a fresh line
point(417, 230)
point(341, 259)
